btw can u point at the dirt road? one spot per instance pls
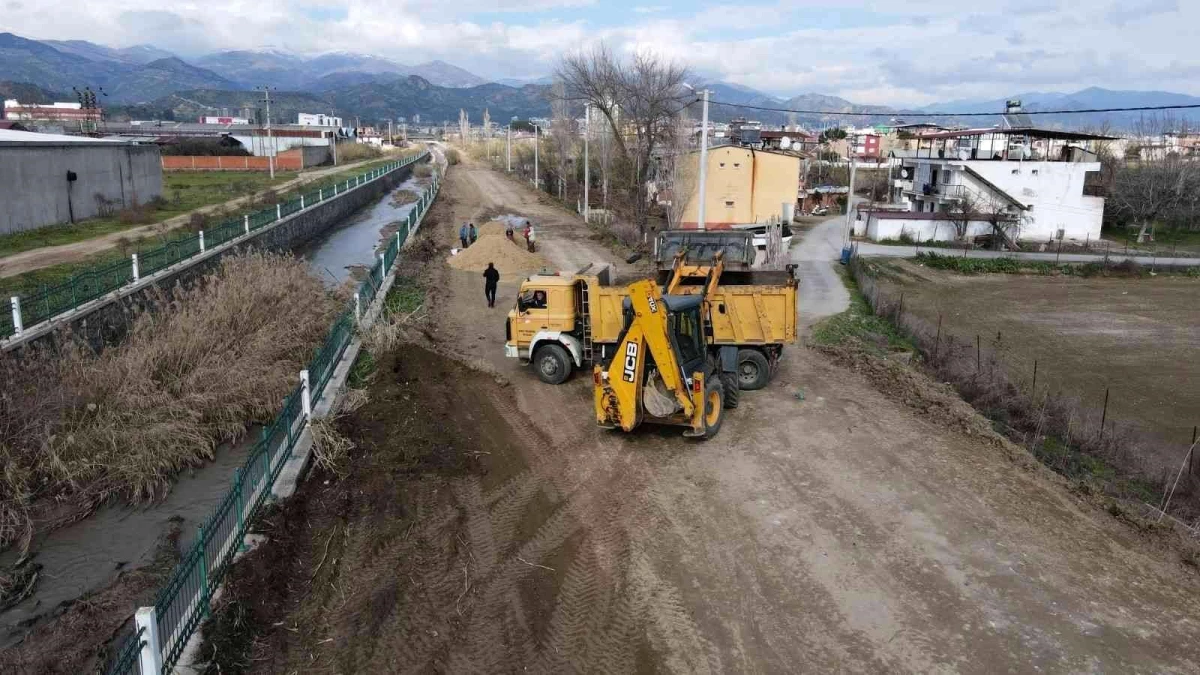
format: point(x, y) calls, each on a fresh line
point(48, 256)
point(488, 526)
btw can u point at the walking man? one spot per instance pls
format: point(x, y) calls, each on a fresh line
point(473, 234)
point(462, 234)
point(491, 277)
point(529, 236)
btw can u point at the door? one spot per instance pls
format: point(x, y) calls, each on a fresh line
point(533, 313)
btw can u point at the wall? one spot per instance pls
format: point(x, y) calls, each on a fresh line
point(291, 160)
point(1055, 193)
point(928, 229)
point(34, 190)
point(744, 186)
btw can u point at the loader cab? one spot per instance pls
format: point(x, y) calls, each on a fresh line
point(686, 328)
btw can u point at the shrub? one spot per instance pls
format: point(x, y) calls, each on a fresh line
point(138, 214)
point(353, 152)
point(422, 171)
point(193, 372)
point(452, 157)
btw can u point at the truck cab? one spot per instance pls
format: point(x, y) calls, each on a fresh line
point(545, 315)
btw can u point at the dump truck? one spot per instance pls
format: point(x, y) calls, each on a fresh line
point(568, 321)
point(662, 371)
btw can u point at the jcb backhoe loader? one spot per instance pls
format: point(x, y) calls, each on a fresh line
point(661, 371)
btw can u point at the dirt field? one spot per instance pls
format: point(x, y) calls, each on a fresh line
point(1138, 337)
point(488, 526)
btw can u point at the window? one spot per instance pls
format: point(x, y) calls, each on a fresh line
point(532, 299)
point(737, 165)
point(1016, 172)
point(688, 336)
point(729, 203)
point(721, 165)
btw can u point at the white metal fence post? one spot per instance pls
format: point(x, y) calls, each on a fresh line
point(357, 308)
point(278, 211)
point(320, 194)
point(136, 272)
point(202, 241)
point(305, 394)
point(18, 325)
point(399, 243)
point(150, 656)
point(246, 222)
point(301, 202)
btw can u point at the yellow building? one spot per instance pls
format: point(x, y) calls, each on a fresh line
point(744, 186)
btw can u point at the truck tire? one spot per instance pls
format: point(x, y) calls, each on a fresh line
point(754, 371)
point(729, 385)
point(714, 407)
point(552, 363)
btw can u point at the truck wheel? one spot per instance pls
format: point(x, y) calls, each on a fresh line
point(714, 407)
point(729, 386)
point(552, 363)
point(754, 371)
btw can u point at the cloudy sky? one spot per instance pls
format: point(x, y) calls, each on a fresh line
point(869, 52)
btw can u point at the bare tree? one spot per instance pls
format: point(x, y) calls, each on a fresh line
point(561, 133)
point(1157, 185)
point(680, 174)
point(638, 98)
point(464, 126)
point(961, 212)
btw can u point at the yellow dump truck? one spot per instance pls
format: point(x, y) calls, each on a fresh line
point(563, 321)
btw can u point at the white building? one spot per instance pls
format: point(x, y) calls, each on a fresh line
point(1032, 184)
point(318, 120)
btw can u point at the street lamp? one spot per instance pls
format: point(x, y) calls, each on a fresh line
point(587, 131)
point(703, 155)
point(537, 182)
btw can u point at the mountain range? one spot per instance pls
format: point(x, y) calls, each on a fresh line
point(145, 81)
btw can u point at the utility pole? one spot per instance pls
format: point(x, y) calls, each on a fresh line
point(270, 137)
point(391, 140)
point(537, 179)
point(703, 161)
point(849, 203)
point(587, 132)
point(508, 148)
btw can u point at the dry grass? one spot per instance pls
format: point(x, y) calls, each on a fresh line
point(422, 170)
point(353, 152)
point(194, 372)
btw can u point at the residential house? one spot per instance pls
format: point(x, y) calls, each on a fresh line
point(1029, 183)
point(744, 186)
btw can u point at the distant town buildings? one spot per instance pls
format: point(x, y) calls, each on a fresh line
point(318, 120)
point(224, 120)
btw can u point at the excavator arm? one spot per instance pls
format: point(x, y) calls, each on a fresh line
point(620, 388)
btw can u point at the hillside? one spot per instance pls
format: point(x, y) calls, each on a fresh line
point(162, 77)
point(415, 95)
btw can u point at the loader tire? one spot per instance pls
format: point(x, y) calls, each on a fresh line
point(729, 386)
point(552, 363)
point(714, 407)
point(754, 371)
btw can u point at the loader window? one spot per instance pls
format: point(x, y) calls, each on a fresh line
point(688, 335)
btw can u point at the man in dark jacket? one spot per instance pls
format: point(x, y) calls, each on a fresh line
point(462, 234)
point(491, 277)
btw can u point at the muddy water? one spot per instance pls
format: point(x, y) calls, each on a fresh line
point(353, 242)
point(89, 554)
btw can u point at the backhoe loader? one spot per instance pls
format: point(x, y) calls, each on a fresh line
point(660, 371)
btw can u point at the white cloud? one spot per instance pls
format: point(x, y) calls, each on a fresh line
point(869, 51)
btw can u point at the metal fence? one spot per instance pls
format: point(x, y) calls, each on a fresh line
point(53, 300)
point(184, 602)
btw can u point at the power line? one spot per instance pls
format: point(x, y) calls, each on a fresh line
point(954, 114)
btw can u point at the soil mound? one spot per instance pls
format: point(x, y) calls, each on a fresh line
point(510, 257)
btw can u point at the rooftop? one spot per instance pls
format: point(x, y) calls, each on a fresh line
point(12, 137)
point(1030, 132)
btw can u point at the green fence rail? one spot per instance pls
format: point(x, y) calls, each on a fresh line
point(184, 602)
point(50, 301)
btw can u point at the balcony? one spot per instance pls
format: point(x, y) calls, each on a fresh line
point(939, 191)
point(906, 185)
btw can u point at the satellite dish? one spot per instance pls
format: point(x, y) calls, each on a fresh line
point(906, 173)
point(785, 142)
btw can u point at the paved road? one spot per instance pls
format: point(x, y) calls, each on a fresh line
point(879, 250)
point(822, 292)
